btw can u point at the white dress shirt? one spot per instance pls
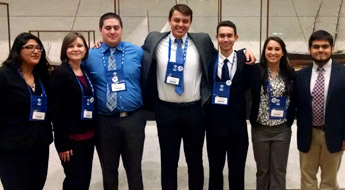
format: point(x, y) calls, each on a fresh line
point(232, 65)
point(327, 76)
point(191, 74)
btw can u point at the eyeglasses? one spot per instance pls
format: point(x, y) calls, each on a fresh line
point(33, 47)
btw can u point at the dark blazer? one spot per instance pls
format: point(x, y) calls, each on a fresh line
point(335, 109)
point(256, 74)
point(16, 131)
point(205, 48)
point(66, 100)
point(220, 117)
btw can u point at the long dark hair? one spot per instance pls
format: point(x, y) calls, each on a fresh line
point(42, 69)
point(285, 70)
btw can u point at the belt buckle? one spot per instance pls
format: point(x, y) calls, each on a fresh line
point(123, 114)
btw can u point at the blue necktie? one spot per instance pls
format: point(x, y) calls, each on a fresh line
point(111, 96)
point(225, 71)
point(179, 59)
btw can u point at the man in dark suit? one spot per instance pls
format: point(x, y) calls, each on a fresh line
point(226, 130)
point(320, 91)
point(175, 82)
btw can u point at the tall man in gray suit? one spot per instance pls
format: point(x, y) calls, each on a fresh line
point(320, 91)
point(175, 82)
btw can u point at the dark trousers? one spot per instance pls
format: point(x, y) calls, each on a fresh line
point(234, 145)
point(24, 169)
point(176, 122)
point(78, 169)
point(121, 136)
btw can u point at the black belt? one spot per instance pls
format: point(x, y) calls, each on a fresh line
point(179, 105)
point(125, 114)
point(321, 127)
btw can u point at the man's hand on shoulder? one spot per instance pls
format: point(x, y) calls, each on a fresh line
point(250, 58)
point(97, 45)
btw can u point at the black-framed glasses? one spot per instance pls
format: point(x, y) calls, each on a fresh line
point(32, 48)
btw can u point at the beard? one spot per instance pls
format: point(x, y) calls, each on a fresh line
point(321, 61)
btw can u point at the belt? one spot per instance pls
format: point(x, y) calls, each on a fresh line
point(321, 127)
point(179, 105)
point(125, 114)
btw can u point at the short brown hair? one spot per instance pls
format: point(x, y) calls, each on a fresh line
point(182, 8)
point(69, 38)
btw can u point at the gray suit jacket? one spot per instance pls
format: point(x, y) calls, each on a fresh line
point(205, 48)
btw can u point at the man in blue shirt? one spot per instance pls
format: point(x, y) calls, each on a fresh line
point(120, 123)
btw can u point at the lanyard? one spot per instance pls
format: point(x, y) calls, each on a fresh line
point(184, 49)
point(81, 87)
point(216, 66)
point(29, 89)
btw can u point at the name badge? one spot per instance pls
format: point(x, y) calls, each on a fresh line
point(87, 107)
point(174, 73)
point(38, 108)
point(115, 87)
point(221, 93)
point(277, 107)
point(37, 115)
point(116, 80)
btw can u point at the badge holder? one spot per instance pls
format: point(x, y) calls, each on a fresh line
point(87, 107)
point(174, 73)
point(116, 80)
point(277, 106)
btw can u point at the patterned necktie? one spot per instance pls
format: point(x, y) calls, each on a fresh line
point(111, 96)
point(225, 71)
point(318, 98)
point(179, 59)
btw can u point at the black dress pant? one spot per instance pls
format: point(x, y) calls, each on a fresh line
point(234, 145)
point(121, 136)
point(78, 169)
point(176, 122)
point(24, 169)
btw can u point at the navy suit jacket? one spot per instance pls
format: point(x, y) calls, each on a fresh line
point(205, 49)
point(220, 117)
point(335, 109)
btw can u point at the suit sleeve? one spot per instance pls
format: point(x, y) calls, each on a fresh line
point(57, 97)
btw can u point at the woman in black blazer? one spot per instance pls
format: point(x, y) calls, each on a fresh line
point(272, 114)
point(72, 98)
point(25, 129)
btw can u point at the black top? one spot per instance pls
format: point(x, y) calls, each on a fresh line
point(16, 131)
point(65, 102)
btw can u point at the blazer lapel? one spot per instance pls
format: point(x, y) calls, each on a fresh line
point(307, 78)
point(333, 80)
point(238, 70)
point(201, 52)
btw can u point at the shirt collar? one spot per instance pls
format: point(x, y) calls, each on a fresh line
point(172, 37)
point(222, 57)
point(105, 47)
point(327, 66)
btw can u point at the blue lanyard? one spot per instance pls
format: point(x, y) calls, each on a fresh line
point(105, 64)
point(184, 49)
point(81, 87)
point(29, 89)
point(216, 67)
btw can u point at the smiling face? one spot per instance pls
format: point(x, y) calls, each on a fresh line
point(179, 24)
point(31, 53)
point(76, 50)
point(320, 51)
point(273, 52)
point(111, 32)
point(226, 39)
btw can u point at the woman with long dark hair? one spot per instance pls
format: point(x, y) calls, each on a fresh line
point(272, 114)
point(72, 101)
point(25, 129)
